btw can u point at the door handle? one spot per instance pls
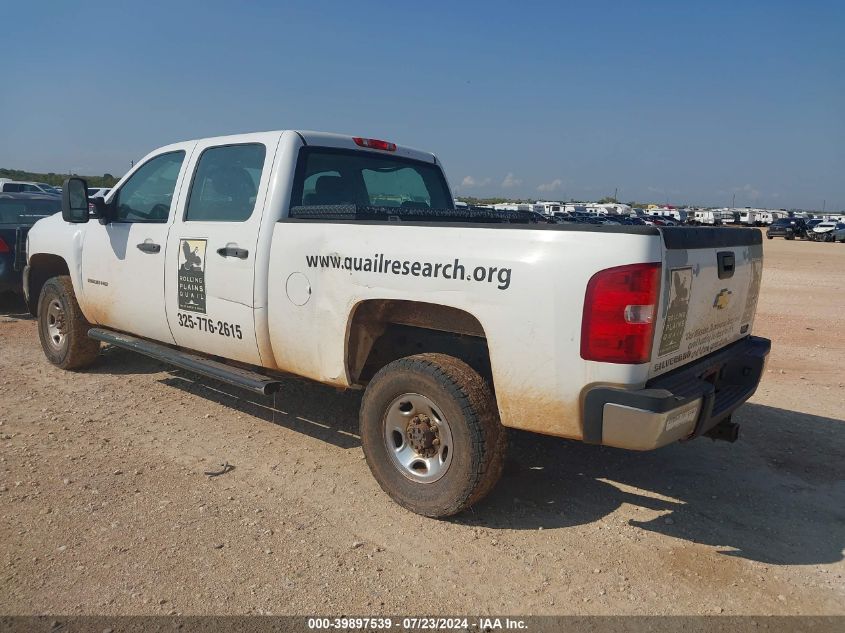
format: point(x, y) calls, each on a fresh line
point(725, 262)
point(233, 251)
point(149, 247)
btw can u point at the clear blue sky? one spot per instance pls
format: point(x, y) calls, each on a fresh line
point(664, 100)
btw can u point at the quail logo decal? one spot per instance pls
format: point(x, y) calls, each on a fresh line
point(722, 299)
point(676, 315)
point(192, 275)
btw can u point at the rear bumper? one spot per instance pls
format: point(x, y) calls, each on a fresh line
point(682, 404)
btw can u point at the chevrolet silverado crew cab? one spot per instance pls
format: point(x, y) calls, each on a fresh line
point(345, 260)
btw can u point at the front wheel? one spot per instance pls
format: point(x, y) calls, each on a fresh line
point(431, 434)
point(62, 327)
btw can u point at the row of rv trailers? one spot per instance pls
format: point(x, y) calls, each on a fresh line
point(746, 216)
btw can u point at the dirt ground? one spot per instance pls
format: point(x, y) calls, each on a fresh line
point(106, 510)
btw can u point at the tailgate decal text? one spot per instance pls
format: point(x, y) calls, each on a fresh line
point(676, 315)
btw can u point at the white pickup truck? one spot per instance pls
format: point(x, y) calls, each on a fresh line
point(344, 260)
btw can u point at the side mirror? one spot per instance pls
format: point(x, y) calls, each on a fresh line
point(75, 200)
point(99, 209)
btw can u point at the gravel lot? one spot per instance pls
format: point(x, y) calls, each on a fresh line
point(106, 510)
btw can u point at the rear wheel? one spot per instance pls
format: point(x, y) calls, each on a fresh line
point(431, 434)
point(62, 328)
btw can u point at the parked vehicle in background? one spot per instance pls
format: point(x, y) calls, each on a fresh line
point(519, 206)
point(839, 232)
point(763, 218)
point(711, 218)
point(813, 223)
point(825, 231)
point(102, 192)
point(659, 221)
point(16, 186)
point(747, 217)
point(678, 216)
point(18, 212)
point(726, 215)
point(548, 208)
point(344, 260)
point(788, 228)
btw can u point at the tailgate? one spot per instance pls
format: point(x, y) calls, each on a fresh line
point(711, 281)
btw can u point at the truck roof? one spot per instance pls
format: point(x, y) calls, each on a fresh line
point(320, 139)
point(345, 141)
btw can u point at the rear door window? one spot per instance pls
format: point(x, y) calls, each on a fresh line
point(225, 185)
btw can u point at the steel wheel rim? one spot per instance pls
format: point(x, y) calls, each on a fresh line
point(409, 410)
point(56, 324)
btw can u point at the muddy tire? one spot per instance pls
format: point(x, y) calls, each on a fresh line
point(62, 328)
point(431, 434)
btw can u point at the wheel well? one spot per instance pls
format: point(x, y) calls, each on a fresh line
point(42, 267)
point(382, 331)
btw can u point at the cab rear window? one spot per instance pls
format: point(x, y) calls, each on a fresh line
point(327, 177)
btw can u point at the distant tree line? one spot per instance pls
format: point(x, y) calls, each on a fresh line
point(106, 180)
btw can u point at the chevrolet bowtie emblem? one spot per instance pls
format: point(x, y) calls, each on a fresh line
point(722, 299)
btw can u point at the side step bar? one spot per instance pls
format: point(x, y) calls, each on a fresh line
point(250, 380)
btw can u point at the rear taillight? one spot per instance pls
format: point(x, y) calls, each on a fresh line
point(4, 248)
point(374, 143)
point(619, 312)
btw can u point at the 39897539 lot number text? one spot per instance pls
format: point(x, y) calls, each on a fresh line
point(204, 324)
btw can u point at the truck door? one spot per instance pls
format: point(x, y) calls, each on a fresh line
point(123, 261)
point(211, 254)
